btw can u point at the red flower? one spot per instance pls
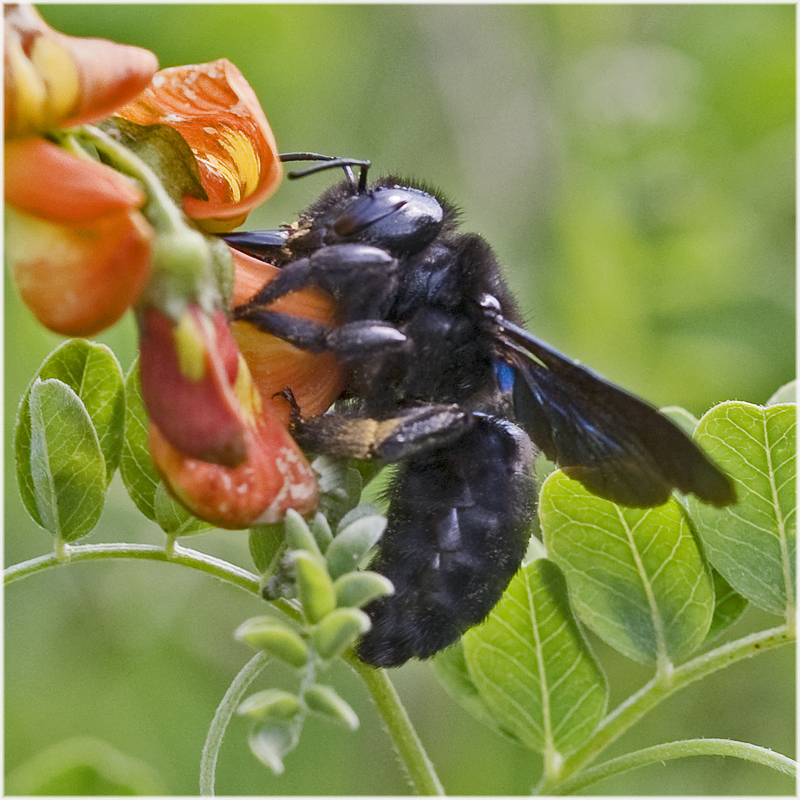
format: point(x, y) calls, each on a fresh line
point(229, 458)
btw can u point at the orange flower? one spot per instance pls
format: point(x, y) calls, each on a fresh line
point(51, 79)
point(78, 265)
point(78, 248)
point(316, 379)
point(217, 113)
point(219, 449)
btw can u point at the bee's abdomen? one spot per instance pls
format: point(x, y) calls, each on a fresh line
point(457, 533)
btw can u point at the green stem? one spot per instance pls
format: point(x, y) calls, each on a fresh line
point(669, 750)
point(658, 689)
point(404, 738)
point(179, 555)
point(407, 744)
point(224, 713)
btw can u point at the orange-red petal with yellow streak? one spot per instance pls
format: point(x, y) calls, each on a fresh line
point(316, 379)
point(78, 279)
point(46, 181)
point(218, 114)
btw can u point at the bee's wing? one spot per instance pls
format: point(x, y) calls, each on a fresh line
point(617, 445)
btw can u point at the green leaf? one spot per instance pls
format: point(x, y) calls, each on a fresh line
point(272, 741)
point(636, 576)
point(274, 637)
point(139, 475)
point(64, 463)
point(338, 630)
point(314, 586)
point(356, 589)
point(325, 701)
point(728, 606)
point(270, 705)
point(684, 419)
point(339, 487)
point(136, 467)
point(786, 394)
point(753, 542)
point(173, 518)
point(451, 669)
point(533, 667)
point(267, 545)
point(353, 543)
point(92, 371)
point(81, 767)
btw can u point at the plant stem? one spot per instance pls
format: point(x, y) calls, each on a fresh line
point(406, 743)
point(223, 716)
point(404, 738)
point(688, 747)
point(217, 567)
point(658, 689)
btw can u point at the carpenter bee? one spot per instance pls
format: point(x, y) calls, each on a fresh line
point(442, 379)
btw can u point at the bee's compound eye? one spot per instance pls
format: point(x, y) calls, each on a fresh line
point(398, 219)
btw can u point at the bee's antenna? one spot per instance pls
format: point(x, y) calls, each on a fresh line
point(330, 162)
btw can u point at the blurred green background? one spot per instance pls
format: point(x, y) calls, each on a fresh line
point(633, 166)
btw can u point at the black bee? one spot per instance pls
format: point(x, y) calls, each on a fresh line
point(443, 380)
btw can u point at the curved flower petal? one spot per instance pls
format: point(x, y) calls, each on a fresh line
point(214, 109)
point(274, 478)
point(39, 175)
point(53, 79)
point(316, 379)
point(78, 278)
point(188, 371)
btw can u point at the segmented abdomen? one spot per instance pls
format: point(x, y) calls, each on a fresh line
point(457, 533)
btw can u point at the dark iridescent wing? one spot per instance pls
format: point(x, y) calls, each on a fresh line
point(616, 444)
